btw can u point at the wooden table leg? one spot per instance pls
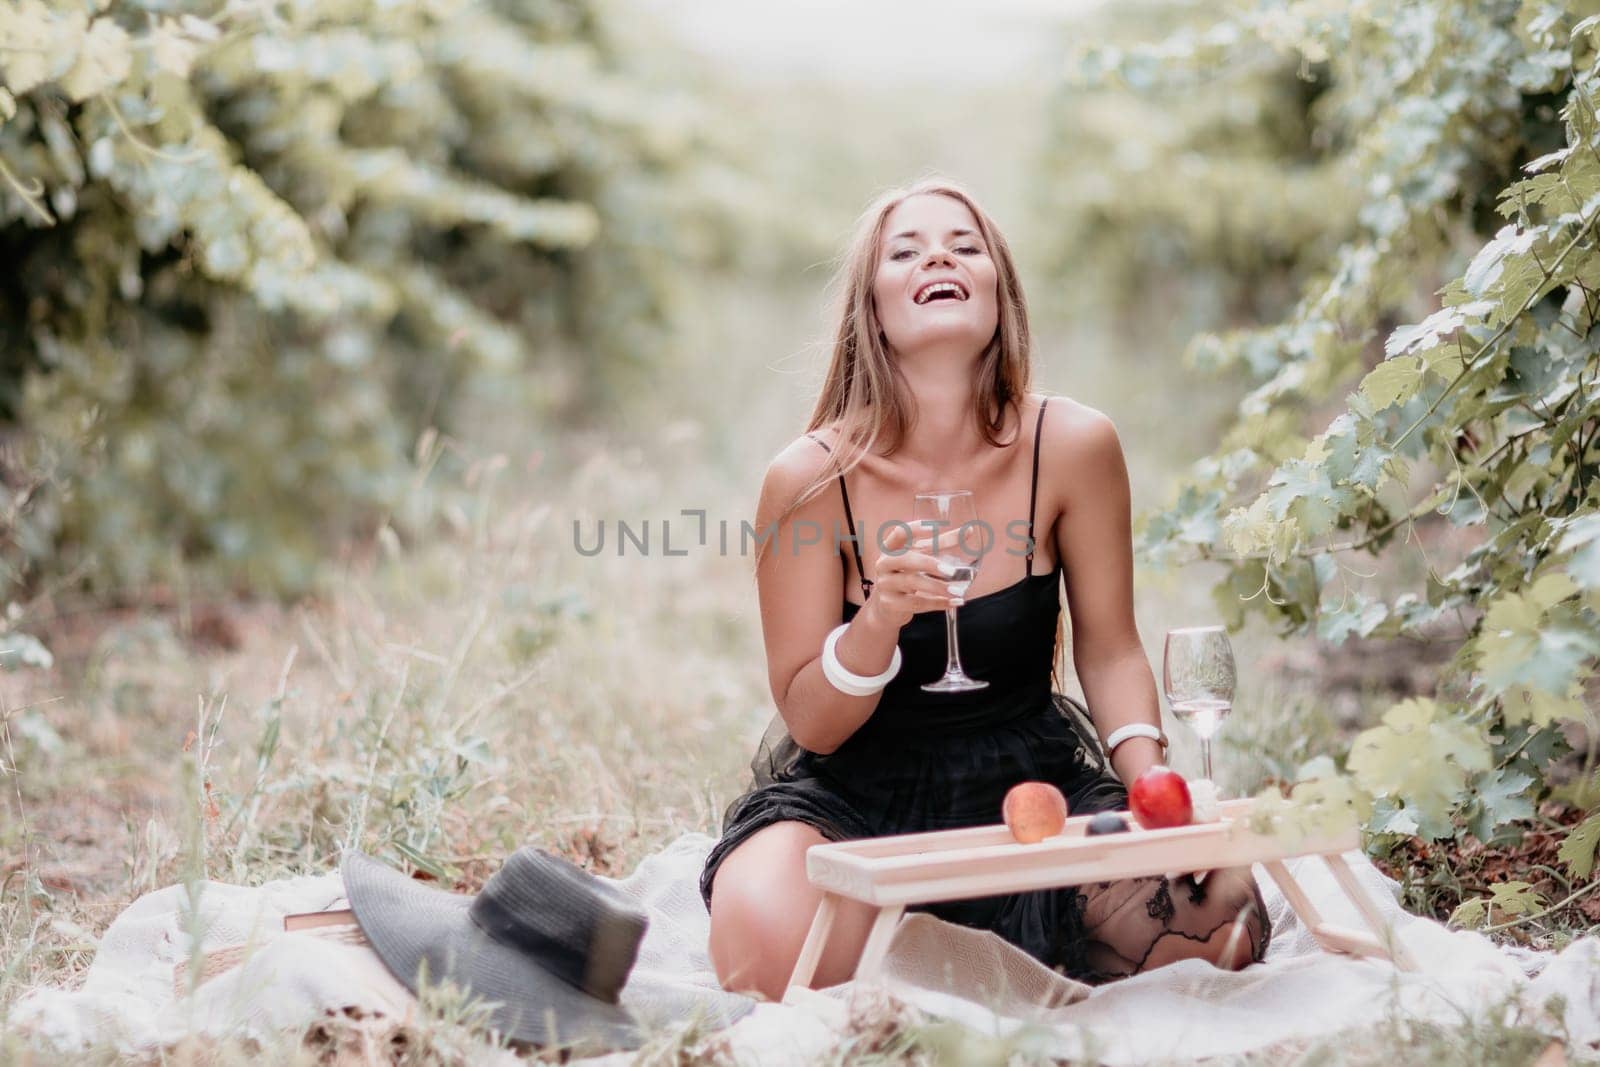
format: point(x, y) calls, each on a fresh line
point(1349, 942)
point(1294, 893)
point(1352, 887)
point(810, 952)
point(878, 939)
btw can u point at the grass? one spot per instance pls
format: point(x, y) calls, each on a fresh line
point(440, 708)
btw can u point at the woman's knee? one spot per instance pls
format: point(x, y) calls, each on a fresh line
point(746, 950)
point(761, 909)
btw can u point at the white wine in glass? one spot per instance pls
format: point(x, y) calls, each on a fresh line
point(1198, 675)
point(940, 513)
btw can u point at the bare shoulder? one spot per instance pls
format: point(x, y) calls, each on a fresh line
point(1084, 435)
point(796, 466)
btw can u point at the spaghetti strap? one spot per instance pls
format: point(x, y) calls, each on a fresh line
point(855, 545)
point(1033, 490)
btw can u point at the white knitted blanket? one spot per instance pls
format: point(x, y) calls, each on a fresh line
point(1188, 1010)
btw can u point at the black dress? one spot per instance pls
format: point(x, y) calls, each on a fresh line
point(940, 761)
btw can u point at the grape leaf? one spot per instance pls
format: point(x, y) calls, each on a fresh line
point(1538, 706)
point(1510, 898)
point(1583, 562)
point(103, 62)
point(1322, 806)
point(38, 44)
point(1488, 265)
point(1523, 643)
point(1393, 381)
point(1469, 914)
point(1249, 530)
point(1303, 491)
point(1578, 850)
point(171, 49)
point(1391, 817)
point(1548, 657)
point(1435, 328)
point(1359, 615)
point(1501, 800)
point(1421, 758)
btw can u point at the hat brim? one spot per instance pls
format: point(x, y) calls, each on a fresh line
point(409, 924)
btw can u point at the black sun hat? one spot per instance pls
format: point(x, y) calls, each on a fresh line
point(547, 942)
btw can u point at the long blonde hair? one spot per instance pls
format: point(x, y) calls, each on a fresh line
point(863, 393)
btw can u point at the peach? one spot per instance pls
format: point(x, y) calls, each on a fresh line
point(1034, 811)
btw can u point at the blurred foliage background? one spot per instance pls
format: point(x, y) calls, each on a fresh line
point(253, 253)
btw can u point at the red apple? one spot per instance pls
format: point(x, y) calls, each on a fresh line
point(1034, 811)
point(1160, 798)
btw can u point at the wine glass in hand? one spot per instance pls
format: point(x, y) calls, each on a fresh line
point(1198, 675)
point(951, 516)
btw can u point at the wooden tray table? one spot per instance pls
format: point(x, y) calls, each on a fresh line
point(896, 871)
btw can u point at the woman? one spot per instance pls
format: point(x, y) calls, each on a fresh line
point(934, 393)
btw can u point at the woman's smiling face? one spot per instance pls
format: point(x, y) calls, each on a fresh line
point(932, 238)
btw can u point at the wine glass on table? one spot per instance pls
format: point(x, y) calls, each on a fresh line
point(952, 513)
point(1198, 675)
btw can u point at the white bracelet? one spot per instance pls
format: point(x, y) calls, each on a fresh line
point(846, 680)
point(1135, 729)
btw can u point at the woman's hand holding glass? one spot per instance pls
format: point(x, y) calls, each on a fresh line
point(909, 577)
